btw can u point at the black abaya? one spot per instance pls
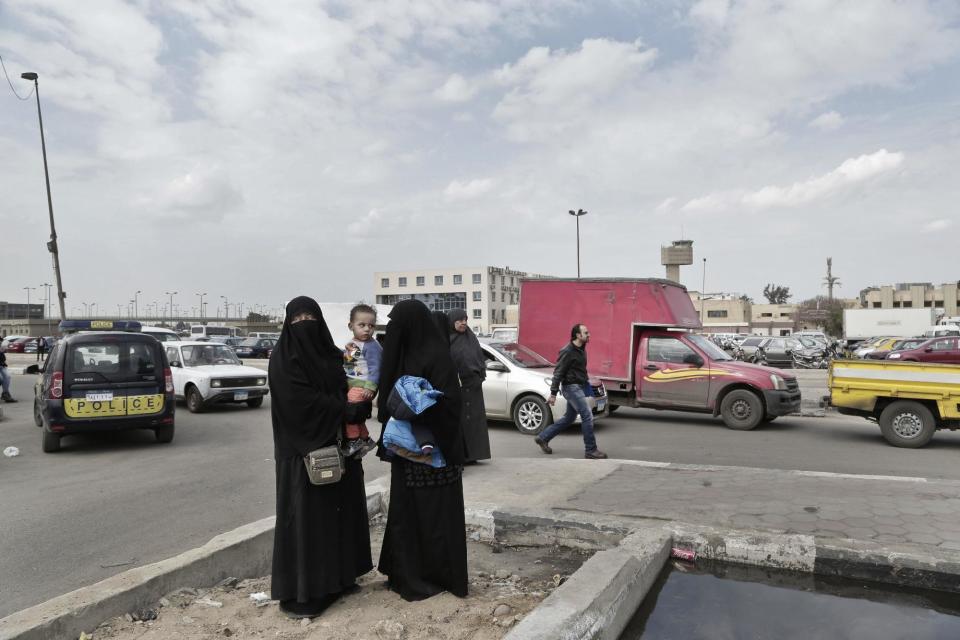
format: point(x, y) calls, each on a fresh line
point(472, 369)
point(321, 541)
point(424, 546)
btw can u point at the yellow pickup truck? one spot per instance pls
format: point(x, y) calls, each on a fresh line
point(910, 400)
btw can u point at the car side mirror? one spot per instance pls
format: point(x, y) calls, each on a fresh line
point(176, 363)
point(928, 350)
point(34, 368)
point(694, 359)
point(493, 365)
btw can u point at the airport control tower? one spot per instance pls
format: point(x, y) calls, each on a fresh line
point(679, 252)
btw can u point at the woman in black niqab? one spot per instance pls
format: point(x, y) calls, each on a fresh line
point(472, 370)
point(424, 545)
point(321, 541)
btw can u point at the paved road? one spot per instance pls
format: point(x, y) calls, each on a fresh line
point(109, 502)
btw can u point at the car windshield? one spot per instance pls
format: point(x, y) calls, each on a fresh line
point(706, 345)
point(906, 344)
point(808, 342)
point(250, 342)
point(521, 356)
point(208, 354)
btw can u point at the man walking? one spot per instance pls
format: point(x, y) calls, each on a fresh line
point(571, 374)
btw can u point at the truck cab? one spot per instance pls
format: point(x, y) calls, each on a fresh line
point(645, 349)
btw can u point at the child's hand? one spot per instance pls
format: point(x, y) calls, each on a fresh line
point(368, 395)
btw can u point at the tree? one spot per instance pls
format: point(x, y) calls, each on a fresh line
point(776, 294)
point(746, 298)
point(824, 313)
point(257, 317)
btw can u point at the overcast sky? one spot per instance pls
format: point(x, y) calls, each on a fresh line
point(260, 150)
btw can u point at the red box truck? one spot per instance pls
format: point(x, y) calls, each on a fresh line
point(644, 347)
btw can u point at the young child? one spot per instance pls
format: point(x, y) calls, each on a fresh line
point(361, 360)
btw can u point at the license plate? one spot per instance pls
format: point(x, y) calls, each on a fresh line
point(113, 408)
point(240, 395)
point(105, 396)
point(601, 404)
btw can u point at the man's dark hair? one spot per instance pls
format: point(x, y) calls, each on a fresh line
point(575, 331)
point(362, 308)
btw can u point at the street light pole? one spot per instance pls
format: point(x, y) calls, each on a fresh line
point(703, 291)
point(135, 301)
point(171, 294)
point(52, 245)
point(201, 303)
point(226, 307)
point(577, 214)
point(47, 285)
point(27, 315)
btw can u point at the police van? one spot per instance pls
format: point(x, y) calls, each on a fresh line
point(103, 376)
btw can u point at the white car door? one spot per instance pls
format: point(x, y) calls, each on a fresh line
point(495, 388)
point(179, 376)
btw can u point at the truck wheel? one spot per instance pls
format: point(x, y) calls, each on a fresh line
point(741, 410)
point(531, 415)
point(164, 434)
point(51, 442)
point(37, 414)
point(194, 400)
point(907, 424)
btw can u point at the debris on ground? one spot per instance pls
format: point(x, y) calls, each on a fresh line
point(11, 452)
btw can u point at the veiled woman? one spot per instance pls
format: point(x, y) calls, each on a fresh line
point(424, 546)
point(321, 542)
point(472, 370)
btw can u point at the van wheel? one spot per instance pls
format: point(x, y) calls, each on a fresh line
point(741, 410)
point(531, 415)
point(51, 442)
point(37, 413)
point(164, 434)
point(194, 400)
point(907, 424)
point(254, 403)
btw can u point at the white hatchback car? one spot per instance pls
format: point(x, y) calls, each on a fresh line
point(207, 373)
point(518, 385)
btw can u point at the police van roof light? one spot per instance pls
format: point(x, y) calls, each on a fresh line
point(72, 326)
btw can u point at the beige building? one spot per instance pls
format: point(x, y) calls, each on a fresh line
point(913, 295)
point(773, 319)
point(722, 312)
point(487, 294)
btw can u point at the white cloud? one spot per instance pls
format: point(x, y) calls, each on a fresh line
point(851, 172)
point(935, 226)
point(829, 121)
point(467, 190)
point(712, 13)
point(456, 89)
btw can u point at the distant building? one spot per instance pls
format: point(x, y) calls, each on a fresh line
point(913, 295)
point(722, 312)
point(488, 294)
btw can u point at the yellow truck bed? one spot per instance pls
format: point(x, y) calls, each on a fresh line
point(910, 400)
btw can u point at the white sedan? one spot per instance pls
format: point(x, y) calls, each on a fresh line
point(518, 385)
point(206, 373)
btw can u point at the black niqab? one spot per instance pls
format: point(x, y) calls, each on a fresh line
point(414, 347)
point(466, 351)
point(307, 383)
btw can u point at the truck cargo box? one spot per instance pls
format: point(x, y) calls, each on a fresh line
point(610, 308)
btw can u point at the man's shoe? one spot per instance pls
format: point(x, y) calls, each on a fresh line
point(596, 454)
point(543, 445)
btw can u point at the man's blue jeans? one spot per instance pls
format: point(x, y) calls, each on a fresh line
point(576, 404)
point(5, 379)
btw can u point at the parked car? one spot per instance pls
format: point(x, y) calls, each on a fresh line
point(23, 345)
point(941, 350)
point(870, 346)
point(256, 347)
point(777, 352)
point(103, 377)
point(161, 334)
point(7, 340)
point(518, 386)
point(207, 373)
point(899, 345)
point(747, 348)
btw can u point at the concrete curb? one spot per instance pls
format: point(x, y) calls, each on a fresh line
point(245, 552)
point(599, 599)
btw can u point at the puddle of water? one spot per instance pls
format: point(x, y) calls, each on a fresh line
point(714, 601)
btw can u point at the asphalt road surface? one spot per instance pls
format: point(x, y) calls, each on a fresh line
point(109, 502)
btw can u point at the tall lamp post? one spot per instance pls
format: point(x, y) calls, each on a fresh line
point(201, 303)
point(226, 307)
point(703, 291)
point(52, 244)
point(171, 294)
point(135, 301)
point(577, 214)
point(47, 286)
point(27, 315)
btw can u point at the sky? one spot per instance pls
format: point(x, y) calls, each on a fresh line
point(261, 150)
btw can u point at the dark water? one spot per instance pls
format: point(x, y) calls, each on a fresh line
point(732, 602)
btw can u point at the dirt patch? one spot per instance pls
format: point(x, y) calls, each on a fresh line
point(506, 583)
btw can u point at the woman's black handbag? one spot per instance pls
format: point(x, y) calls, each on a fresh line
point(324, 465)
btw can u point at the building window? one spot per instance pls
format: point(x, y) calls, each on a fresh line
point(876, 305)
point(511, 281)
point(438, 281)
point(938, 304)
point(477, 314)
point(458, 278)
point(477, 296)
point(401, 282)
point(384, 283)
point(476, 278)
point(896, 304)
point(717, 313)
point(928, 303)
point(766, 315)
point(421, 281)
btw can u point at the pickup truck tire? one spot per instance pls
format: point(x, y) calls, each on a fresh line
point(613, 408)
point(531, 415)
point(907, 424)
point(742, 410)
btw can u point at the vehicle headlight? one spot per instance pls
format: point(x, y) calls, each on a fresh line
point(261, 381)
point(778, 383)
point(216, 383)
point(894, 356)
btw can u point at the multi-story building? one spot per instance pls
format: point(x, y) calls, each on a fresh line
point(915, 295)
point(722, 312)
point(773, 319)
point(485, 293)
